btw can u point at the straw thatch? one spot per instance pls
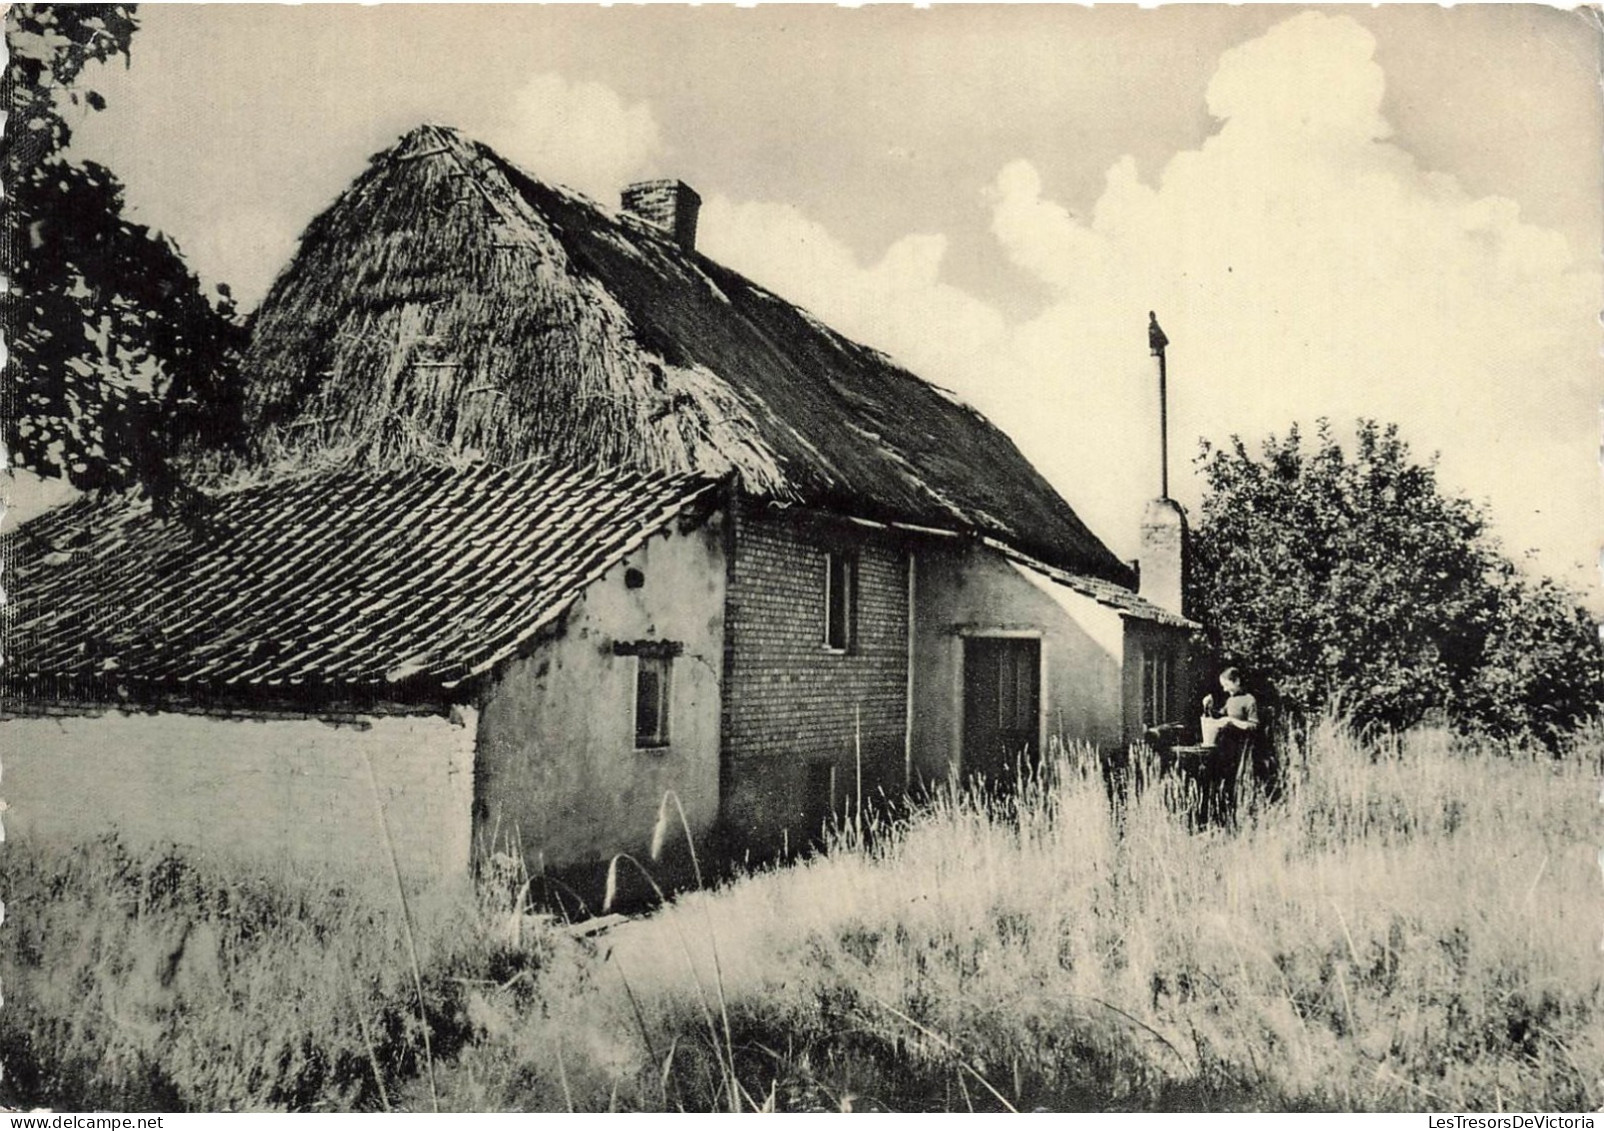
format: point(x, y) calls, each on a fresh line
point(448, 302)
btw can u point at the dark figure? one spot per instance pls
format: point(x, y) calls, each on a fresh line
point(1242, 742)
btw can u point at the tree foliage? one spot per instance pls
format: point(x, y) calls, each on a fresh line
point(1357, 582)
point(118, 361)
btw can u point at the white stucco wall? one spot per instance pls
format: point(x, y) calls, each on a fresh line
point(560, 775)
point(290, 789)
point(964, 591)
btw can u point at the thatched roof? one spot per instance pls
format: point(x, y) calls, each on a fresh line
point(449, 302)
point(394, 585)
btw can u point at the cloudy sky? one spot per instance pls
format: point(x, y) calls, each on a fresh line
point(1336, 212)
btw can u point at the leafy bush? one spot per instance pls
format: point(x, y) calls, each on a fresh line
point(1357, 583)
point(118, 361)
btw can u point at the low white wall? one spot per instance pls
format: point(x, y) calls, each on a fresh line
point(274, 789)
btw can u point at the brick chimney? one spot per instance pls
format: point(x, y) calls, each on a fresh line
point(671, 205)
point(1164, 561)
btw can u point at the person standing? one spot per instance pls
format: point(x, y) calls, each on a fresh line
point(1238, 710)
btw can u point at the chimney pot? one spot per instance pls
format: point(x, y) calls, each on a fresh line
point(671, 205)
point(1165, 559)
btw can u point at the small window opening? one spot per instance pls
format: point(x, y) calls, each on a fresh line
point(652, 677)
point(840, 599)
point(818, 805)
point(1158, 687)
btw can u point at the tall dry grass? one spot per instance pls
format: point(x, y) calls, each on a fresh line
point(1412, 925)
point(163, 981)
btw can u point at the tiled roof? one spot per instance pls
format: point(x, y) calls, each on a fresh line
point(373, 582)
point(1128, 604)
point(1106, 593)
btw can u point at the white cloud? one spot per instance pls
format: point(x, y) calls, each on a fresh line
point(899, 304)
point(1304, 266)
point(581, 134)
point(1301, 264)
point(1308, 75)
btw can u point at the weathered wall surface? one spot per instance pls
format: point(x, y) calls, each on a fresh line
point(1166, 555)
point(970, 590)
point(559, 773)
point(795, 709)
point(268, 788)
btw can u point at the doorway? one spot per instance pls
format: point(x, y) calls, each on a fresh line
point(1001, 706)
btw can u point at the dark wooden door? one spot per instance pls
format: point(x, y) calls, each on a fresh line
point(1002, 706)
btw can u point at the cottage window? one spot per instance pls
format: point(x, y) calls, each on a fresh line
point(652, 676)
point(1016, 688)
point(1158, 687)
point(840, 600)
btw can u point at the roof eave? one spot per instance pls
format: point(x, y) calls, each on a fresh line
point(1151, 613)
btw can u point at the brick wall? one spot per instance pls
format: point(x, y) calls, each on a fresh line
point(267, 788)
point(792, 708)
point(671, 205)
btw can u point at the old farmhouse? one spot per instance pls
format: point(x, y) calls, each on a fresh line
point(549, 515)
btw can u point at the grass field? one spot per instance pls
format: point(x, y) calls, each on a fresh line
point(1414, 925)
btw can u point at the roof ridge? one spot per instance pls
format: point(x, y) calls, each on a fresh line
point(583, 324)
